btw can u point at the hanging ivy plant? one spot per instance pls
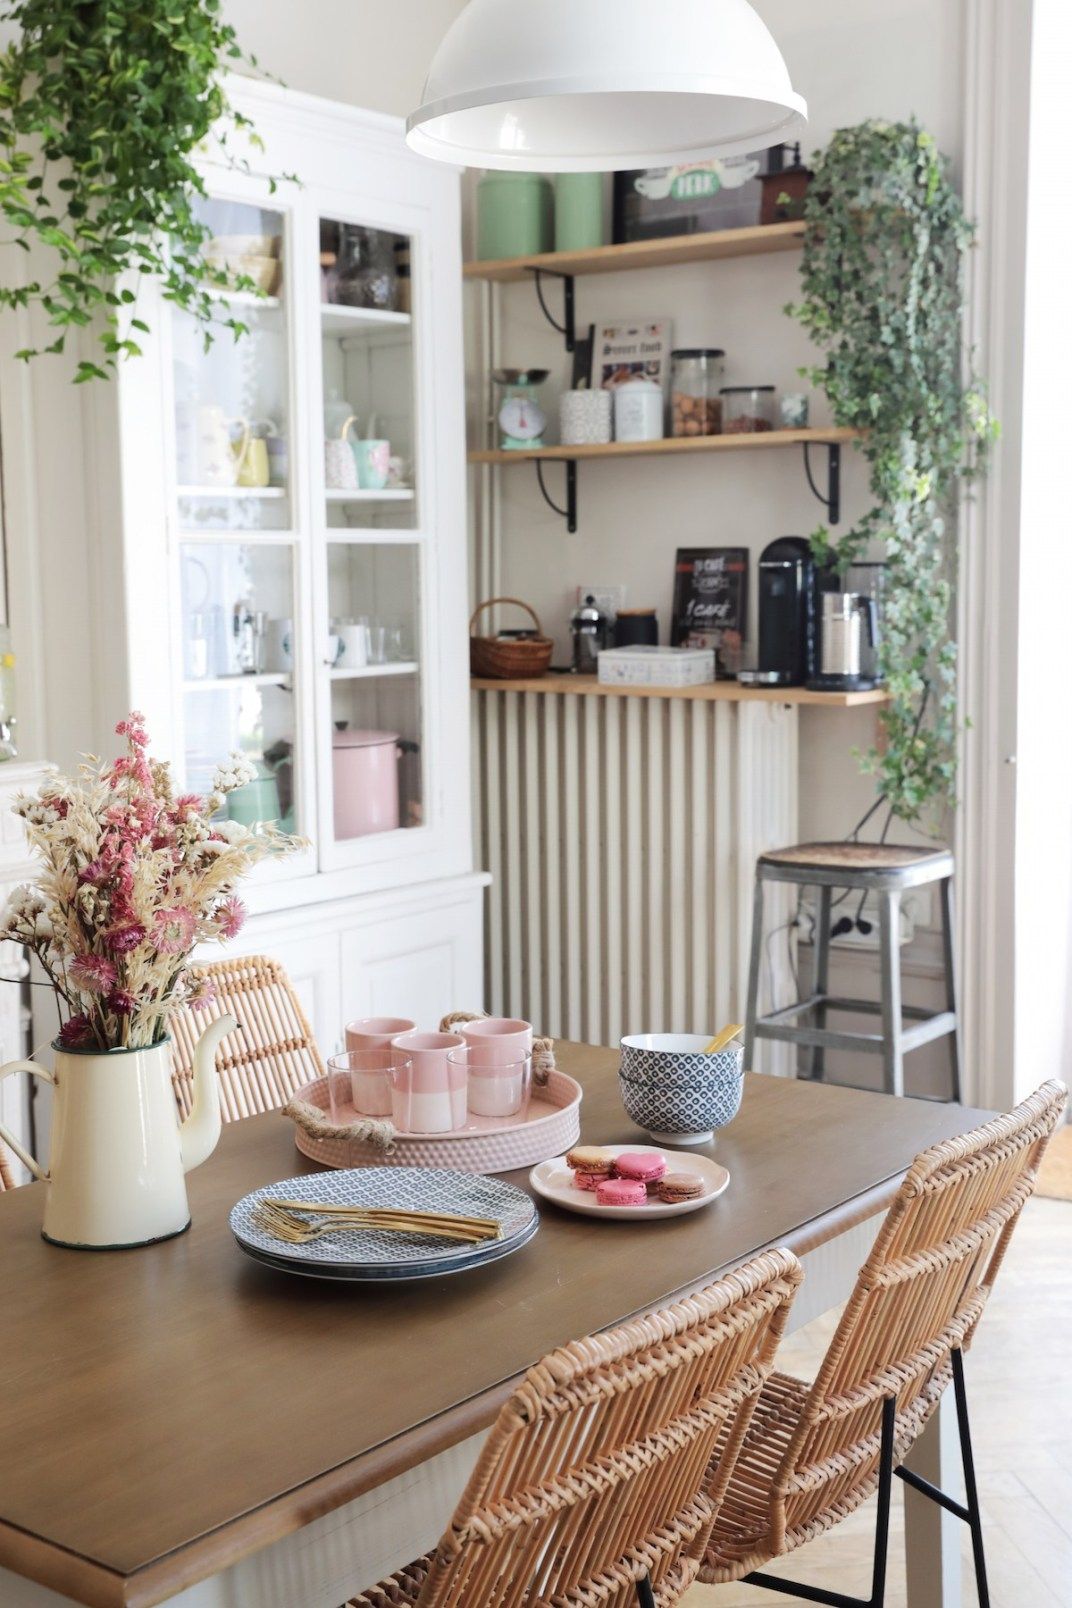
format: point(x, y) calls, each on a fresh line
point(883, 297)
point(102, 104)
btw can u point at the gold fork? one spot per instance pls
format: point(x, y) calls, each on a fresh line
point(284, 1224)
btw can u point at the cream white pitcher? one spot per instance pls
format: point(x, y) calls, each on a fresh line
point(119, 1153)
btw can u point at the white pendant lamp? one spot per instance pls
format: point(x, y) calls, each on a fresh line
point(574, 86)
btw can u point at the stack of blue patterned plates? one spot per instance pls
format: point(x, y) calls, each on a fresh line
point(363, 1255)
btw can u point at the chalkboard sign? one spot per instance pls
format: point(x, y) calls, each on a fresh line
point(711, 603)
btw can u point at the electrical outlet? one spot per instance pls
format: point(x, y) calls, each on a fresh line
point(611, 599)
point(869, 913)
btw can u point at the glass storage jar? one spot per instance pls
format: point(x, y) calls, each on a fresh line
point(696, 407)
point(747, 409)
point(367, 273)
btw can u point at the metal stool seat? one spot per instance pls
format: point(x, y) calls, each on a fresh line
point(885, 870)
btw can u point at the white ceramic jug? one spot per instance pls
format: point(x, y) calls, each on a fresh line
point(120, 1156)
point(218, 456)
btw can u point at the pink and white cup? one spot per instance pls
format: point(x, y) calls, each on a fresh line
point(498, 1046)
point(428, 1091)
point(370, 1081)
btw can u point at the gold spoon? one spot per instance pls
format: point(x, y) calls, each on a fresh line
point(721, 1040)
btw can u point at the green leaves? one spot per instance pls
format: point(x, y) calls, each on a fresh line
point(882, 296)
point(102, 106)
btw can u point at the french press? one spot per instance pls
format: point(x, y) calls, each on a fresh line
point(590, 630)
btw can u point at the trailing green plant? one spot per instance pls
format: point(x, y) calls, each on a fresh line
point(102, 105)
point(882, 296)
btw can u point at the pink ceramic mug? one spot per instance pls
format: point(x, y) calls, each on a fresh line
point(371, 1090)
point(494, 1044)
point(428, 1093)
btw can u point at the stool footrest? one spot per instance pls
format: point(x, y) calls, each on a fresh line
point(927, 1027)
point(840, 1002)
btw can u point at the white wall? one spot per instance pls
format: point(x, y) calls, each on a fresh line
point(1043, 870)
point(851, 59)
point(365, 52)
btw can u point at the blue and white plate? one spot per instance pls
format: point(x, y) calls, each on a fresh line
point(363, 1253)
point(349, 1274)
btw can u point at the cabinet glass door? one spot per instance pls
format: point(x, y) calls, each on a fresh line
point(232, 403)
point(372, 549)
point(237, 540)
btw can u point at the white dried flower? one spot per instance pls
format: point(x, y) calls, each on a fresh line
point(24, 903)
point(231, 831)
point(237, 772)
point(35, 812)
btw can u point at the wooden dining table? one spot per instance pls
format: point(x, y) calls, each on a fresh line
point(179, 1424)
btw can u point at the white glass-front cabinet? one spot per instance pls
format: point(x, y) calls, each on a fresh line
point(294, 548)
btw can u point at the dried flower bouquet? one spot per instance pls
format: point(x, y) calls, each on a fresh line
point(134, 877)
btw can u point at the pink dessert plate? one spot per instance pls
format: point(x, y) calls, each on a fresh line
point(484, 1145)
point(554, 1181)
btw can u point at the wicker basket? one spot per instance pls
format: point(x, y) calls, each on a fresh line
point(505, 658)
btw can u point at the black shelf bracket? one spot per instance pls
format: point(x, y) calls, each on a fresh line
point(832, 501)
point(569, 513)
point(568, 328)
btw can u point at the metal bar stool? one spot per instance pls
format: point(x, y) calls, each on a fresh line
point(887, 870)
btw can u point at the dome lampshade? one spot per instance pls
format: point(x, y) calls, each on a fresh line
point(573, 86)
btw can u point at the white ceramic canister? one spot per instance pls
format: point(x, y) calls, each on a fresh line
point(365, 772)
point(638, 411)
point(584, 418)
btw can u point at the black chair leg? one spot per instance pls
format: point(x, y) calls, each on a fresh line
point(645, 1594)
point(968, 1511)
point(837, 1599)
point(971, 1490)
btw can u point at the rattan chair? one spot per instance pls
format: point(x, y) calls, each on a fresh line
point(814, 1453)
point(589, 1491)
point(6, 1179)
point(272, 1055)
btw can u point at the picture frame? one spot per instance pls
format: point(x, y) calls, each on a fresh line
point(710, 608)
point(628, 347)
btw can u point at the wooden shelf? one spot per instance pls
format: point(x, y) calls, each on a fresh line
point(711, 692)
point(669, 445)
point(755, 241)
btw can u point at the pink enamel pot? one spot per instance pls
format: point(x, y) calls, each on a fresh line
point(365, 767)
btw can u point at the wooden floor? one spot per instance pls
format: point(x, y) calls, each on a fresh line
point(1019, 1377)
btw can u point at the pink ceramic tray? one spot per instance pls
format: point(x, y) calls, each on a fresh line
point(484, 1145)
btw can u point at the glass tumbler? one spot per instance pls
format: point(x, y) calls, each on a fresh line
point(362, 1079)
point(499, 1092)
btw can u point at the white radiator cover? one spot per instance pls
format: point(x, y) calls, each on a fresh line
point(621, 835)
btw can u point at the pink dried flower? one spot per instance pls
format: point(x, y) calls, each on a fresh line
point(230, 917)
point(121, 1002)
point(173, 930)
point(76, 1033)
point(121, 940)
point(94, 873)
point(200, 992)
point(133, 729)
point(188, 804)
point(92, 974)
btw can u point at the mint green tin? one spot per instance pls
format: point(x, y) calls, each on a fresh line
point(514, 215)
point(578, 211)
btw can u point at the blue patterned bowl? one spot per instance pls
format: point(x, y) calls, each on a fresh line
point(675, 1091)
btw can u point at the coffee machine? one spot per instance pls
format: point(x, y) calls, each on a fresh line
point(849, 609)
point(787, 640)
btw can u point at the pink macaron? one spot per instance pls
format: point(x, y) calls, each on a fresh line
point(622, 1192)
point(589, 1180)
point(642, 1166)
